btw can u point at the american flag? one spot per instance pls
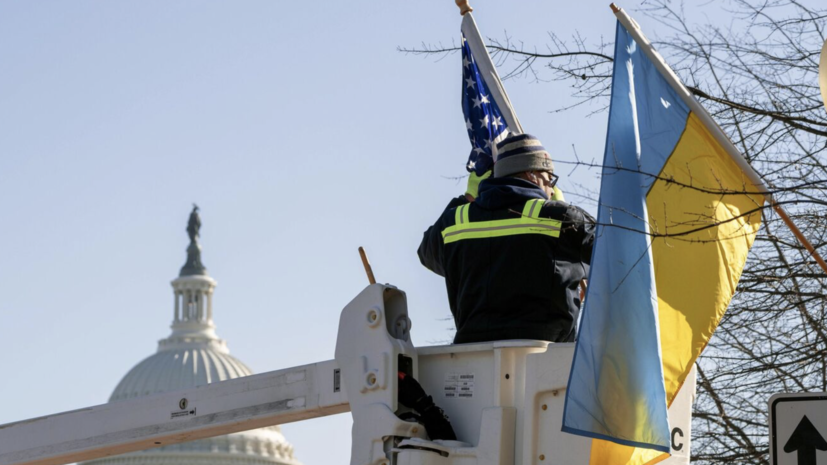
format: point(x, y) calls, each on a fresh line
point(489, 117)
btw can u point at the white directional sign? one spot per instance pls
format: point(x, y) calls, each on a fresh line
point(798, 427)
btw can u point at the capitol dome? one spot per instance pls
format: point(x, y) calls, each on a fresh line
point(194, 355)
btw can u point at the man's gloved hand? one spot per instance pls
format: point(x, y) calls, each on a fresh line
point(474, 181)
point(558, 194)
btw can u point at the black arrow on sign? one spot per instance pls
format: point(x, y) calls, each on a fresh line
point(805, 439)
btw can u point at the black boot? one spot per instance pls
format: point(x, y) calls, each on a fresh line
point(434, 419)
point(436, 423)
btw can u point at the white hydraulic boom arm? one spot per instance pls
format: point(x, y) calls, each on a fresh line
point(504, 398)
point(277, 397)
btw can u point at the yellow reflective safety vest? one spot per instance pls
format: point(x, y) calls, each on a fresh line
point(512, 263)
point(528, 223)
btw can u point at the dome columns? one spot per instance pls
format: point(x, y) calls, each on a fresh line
point(192, 324)
point(193, 298)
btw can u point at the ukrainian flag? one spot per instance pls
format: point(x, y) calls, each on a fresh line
point(679, 209)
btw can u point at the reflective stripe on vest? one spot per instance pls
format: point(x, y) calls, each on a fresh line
point(528, 223)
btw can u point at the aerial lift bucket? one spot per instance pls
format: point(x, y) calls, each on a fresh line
point(505, 398)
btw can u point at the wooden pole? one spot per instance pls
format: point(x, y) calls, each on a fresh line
point(464, 7)
point(800, 236)
point(366, 264)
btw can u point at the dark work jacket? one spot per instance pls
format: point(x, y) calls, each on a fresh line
point(523, 286)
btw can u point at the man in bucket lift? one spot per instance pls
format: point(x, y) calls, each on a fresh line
point(512, 259)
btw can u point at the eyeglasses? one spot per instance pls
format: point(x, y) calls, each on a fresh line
point(551, 181)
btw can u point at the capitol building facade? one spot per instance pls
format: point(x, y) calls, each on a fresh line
point(194, 355)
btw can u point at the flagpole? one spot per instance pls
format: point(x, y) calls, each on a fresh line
point(631, 26)
point(487, 68)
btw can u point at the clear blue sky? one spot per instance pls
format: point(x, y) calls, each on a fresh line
point(296, 126)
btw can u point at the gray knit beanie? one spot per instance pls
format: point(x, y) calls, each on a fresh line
point(520, 153)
